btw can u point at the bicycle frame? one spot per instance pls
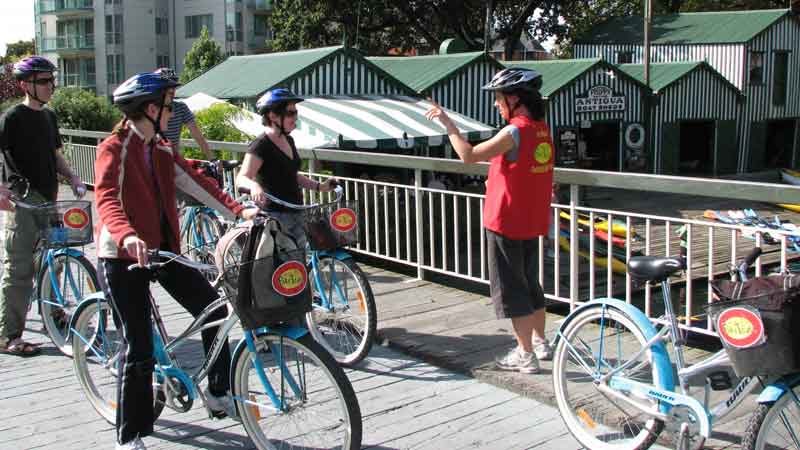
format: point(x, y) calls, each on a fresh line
point(325, 299)
point(47, 261)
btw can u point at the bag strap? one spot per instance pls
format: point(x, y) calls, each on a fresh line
point(244, 292)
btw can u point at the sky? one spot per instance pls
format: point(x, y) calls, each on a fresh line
point(16, 22)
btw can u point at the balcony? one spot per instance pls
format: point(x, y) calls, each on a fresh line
point(83, 81)
point(69, 44)
point(66, 8)
point(259, 6)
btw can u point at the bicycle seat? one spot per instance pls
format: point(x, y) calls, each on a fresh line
point(653, 268)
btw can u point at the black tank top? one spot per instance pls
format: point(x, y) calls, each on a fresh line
point(278, 173)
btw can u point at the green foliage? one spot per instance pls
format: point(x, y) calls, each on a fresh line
point(216, 124)
point(82, 110)
point(17, 50)
point(204, 54)
point(7, 104)
point(9, 87)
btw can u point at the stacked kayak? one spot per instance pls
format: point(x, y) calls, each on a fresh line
point(791, 177)
point(603, 233)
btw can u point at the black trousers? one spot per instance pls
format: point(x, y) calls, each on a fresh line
point(129, 292)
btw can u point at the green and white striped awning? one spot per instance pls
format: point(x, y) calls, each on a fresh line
point(378, 122)
point(361, 122)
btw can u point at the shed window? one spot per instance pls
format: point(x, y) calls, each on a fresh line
point(779, 78)
point(756, 68)
point(624, 57)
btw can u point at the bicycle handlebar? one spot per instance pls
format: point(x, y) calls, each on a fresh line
point(747, 262)
point(172, 257)
point(338, 190)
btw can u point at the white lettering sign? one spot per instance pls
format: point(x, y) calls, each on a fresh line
point(599, 98)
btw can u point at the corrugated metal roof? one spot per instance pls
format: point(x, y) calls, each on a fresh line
point(556, 73)
point(422, 72)
point(719, 27)
point(251, 75)
point(664, 74)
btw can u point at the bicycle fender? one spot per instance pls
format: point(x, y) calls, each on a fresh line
point(774, 391)
point(89, 299)
point(338, 254)
point(293, 332)
point(661, 359)
point(68, 251)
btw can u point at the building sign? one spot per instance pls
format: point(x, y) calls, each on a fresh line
point(567, 141)
point(599, 99)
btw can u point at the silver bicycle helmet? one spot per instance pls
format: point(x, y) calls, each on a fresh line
point(514, 78)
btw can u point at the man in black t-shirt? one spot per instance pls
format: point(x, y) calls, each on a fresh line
point(30, 142)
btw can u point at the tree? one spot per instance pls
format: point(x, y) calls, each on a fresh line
point(204, 54)
point(9, 87)
point(79, 109)
point(17, 50)
point(216, 124)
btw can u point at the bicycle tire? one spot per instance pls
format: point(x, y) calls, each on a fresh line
point(210, 232)
point(106, 345)
point(576, 417)
point(760, 432)
point(337, 423)
point(348, 331)
point(56, 319)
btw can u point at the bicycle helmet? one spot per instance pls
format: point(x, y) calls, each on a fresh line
point(275, 98)
point(167, 73)
point(514, 78)
point(32, 65)
point(141, 89)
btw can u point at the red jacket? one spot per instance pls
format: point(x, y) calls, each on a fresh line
point(127, 201)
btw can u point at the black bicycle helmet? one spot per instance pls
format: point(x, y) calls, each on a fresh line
point(515, 78)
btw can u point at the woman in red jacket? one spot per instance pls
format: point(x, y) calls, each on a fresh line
point(136, 175)
point(517, 208)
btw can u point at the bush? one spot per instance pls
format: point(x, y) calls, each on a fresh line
point(8, 104)
point(79, 109)
point(216, 124)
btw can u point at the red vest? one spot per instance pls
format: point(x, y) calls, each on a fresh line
point(518, 193)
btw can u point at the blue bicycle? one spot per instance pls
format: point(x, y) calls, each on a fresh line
point(63, 274)
point(288, 391)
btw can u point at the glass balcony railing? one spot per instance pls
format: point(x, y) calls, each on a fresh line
point(86, 81)
point(260, 5)
point(58, 6)
point(68, 42)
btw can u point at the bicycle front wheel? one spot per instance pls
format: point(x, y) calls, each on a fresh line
point(344, 318)
point(60, 288)
point(775, 425)
point(595, 342)
point(317, 407)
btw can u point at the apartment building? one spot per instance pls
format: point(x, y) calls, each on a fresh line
point(97, 44)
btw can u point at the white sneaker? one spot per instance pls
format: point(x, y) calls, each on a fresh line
point(220, 406)
point(519, 360)
point(543, 350)
point(135, 444)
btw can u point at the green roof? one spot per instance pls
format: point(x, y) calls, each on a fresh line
point(664, 74)
point(251, 75)
point(557, 73)
point(719, 27)
point(422, 72)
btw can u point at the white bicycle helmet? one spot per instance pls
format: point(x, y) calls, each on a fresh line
point(514, 78)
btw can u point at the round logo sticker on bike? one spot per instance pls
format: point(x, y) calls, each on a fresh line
point(290, 278)
point(740, 327)
point(543, 153)
point(76, 218)
point(343, 220)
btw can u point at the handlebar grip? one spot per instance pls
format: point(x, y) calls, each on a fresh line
point(243, 190)
point(751, 257)
point(232, 164)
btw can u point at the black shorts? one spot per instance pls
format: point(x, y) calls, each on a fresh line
point(514, 275)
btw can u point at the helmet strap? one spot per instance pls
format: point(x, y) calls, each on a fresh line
point(33, 94)
point(157, 122)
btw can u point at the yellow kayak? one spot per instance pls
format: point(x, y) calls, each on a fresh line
point(792, 177)
point(617, 266)
point(617, 229)
point(790, 206)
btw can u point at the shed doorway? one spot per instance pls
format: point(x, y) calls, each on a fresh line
point(602, 144)
point(697, 148)
point(779, 151)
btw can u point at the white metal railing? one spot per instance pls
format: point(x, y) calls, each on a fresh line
point(441, 230)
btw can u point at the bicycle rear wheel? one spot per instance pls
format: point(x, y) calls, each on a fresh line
point(593, 343)
point(201, 235)
point(60, 288)
point(319, 408)
point(345, 318)
point(97, 345)
point(775, 425)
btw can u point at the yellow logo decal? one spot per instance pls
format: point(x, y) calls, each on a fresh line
point(738, 327)
point(343, 220)
point(290, 278)
point(76, 218)
point(543, 153)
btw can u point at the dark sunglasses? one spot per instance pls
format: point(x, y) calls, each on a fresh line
point(43, 81)
point(291, 113)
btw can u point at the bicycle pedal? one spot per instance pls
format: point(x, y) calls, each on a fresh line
point(720, 381)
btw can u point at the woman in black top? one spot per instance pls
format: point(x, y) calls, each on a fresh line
point(272, 163)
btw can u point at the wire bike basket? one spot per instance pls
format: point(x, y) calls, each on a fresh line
point(756, 323)
point(331, 226)
point(64, 223)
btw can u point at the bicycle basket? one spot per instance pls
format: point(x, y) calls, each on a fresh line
point(332, 226)
point(755, 322)
point(64, 223)
point(272, 284)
